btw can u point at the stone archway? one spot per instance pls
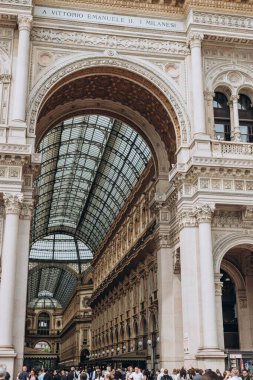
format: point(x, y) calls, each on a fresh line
point(164, 134)
point(232, 254)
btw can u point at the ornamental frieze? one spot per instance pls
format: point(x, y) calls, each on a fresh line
point(110, 41)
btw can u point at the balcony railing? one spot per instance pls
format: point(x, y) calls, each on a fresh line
point(231, 149)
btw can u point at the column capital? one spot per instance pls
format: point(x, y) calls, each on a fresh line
point(234, 98)
point(209, 95)
point(26, 210)
point(194, 39)
point(12, 203)
point(204, 212)
point(5, 78)
point(25, 22)
point(187, 218)
point(162, 239)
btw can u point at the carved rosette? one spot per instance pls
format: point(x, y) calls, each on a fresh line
point(25, 23)
point(26, 210)
point(12, 203)
point(194, 39)
point(204, 213)
point(186, 219)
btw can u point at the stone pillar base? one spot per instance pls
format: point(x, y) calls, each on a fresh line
point(7, 357)
point(211, 359)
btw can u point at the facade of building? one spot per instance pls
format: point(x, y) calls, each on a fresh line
point(126, 132)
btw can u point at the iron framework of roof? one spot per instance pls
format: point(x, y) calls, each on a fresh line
point(90, 165)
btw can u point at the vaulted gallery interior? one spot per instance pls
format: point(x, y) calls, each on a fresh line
point(126, 184)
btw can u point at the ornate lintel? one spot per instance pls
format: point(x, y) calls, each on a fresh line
point(195, 38)
point(26, 210)
point(204, 212)
point(13, 203)
point(187, 218)
point(25, 22)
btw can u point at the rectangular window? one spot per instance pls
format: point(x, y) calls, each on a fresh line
point(222, 131)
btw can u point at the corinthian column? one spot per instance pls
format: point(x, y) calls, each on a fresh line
point(190, 285)
point(236, 131)
point(194, 40)
point(22, 68)
point(21, 282)
point(207, 286)
point(12, 211)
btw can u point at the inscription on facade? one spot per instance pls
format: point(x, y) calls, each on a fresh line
point(107, 18)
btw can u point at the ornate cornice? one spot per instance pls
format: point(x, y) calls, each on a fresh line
point(12, 203)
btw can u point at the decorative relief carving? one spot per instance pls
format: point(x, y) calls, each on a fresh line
point(187, 218)
point(43, 86)
point(26, 210)
point(176, 261)
point(14, 172)
point(24, 22)
point(195, 39)
point(5, 78)
point(222, 20)
point(227, 219)
point(242, 296)
point(12, 203)
point(204, 212)
point(218, 284)
point(111, 42)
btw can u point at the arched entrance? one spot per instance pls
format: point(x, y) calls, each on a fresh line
point(235, 258)
point(105, 128)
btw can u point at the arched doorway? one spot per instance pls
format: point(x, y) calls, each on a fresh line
point(235, 258)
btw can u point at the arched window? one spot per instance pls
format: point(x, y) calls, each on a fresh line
point(245, 111)
point(221, 117)
point(43, 324)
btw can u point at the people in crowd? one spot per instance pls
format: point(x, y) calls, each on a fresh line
point(23, 375)
point(109, 373)
point(246, 375)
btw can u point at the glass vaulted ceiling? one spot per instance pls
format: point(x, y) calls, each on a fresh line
point(90, 165)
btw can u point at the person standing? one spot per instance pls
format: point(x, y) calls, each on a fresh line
point(197, 375)
point(23, 375)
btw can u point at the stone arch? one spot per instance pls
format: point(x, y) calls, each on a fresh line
point(225, 244)
point(160, 86)
point(246, 90)
point(232, 76)
point(234, 273)
point(42, 341)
